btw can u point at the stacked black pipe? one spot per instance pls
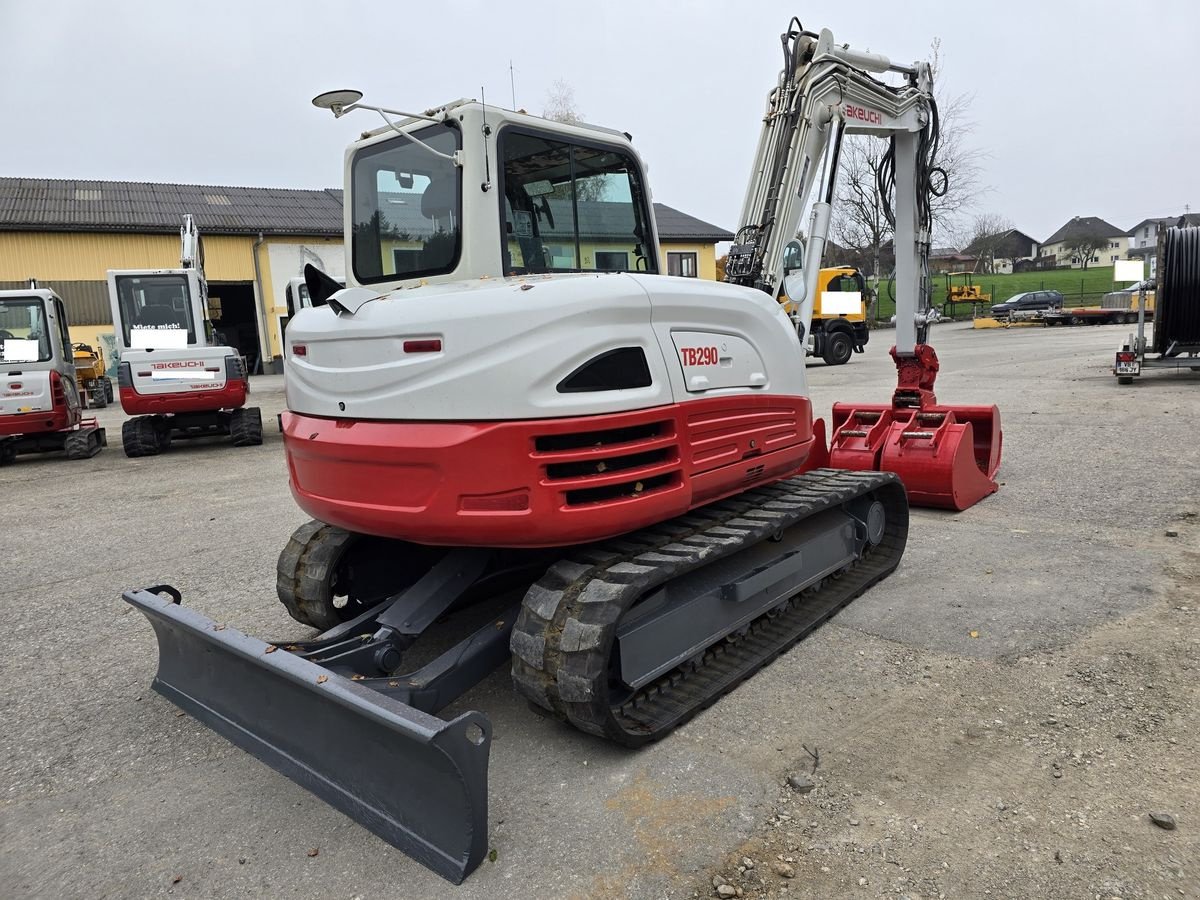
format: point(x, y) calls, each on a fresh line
point(1177, 304)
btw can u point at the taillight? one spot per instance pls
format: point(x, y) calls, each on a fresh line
point(58, 394)
point(15, 385)
point(211, 369)
point(1124, 356)
point(428, 346)
point(299, 350)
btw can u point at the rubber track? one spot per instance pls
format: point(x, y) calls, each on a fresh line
point(562, 640)
point(305, 571)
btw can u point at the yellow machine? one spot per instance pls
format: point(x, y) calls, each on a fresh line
point(89, 375)
point(839, 317)
point(960, 288)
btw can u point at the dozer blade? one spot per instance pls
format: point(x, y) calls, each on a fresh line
point(418, 782)
point(946, 456)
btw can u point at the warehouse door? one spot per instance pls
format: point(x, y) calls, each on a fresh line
point(235, 318)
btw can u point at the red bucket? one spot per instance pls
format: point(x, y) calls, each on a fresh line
point(947, 456)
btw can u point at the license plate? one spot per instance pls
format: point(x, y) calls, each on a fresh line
point(1128, 368)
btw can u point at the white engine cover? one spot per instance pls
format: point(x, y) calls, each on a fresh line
point(178, 371)
point(507, 344)
point(33, 393)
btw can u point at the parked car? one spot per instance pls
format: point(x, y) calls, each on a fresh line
point(1028, 301)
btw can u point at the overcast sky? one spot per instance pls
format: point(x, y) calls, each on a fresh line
point(1082, 108)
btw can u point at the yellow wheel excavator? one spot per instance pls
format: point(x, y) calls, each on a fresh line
point(611, 479)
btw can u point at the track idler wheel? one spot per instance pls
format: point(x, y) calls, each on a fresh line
point(327, 575)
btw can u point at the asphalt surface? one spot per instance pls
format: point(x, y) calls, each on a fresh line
point(108, 791)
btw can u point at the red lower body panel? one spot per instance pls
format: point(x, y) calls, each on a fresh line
point(542, 482)
point(231, 396)
point(42, 422)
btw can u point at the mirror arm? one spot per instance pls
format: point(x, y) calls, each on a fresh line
point(455, 157)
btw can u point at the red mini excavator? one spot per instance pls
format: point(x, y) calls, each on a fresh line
point(510, 423)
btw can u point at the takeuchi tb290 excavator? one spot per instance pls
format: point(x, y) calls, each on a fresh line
point(511, 424)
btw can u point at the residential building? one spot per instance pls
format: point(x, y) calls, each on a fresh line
point(1114, 243)
point(1144, 237)
point(1145, 232)
point(1002, 253)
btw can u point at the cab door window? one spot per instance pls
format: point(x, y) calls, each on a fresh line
point(571, 207)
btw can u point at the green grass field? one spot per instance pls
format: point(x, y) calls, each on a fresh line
point(1079, 287)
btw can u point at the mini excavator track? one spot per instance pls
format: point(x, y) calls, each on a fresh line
point(565, 641)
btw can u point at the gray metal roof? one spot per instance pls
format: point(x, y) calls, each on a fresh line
point(1085, 225)
point(49, 204)
point(674, 225)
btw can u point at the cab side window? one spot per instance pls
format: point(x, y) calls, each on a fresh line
point(571, 207)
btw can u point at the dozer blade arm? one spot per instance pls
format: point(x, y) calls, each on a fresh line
point(418, 782)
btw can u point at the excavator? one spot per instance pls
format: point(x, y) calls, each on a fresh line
point(41, 410)
point(611, 479)
point(175, 377)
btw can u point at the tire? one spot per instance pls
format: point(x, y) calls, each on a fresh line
point(162, 434)
point(1129, 319)
point(108, 391)
point(245, 427)
point(1124, 379)
point(8, 452)
point(1075, 320)
point(838, 348)
point(100, 392)
point(139, 437)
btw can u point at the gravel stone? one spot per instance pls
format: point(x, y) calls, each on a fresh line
point(1163, 820)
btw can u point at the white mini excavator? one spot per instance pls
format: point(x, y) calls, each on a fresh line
point(510, 423)
point(40, 406)
point(175, 377)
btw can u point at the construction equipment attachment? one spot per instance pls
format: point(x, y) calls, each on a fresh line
point(626, 639)
point(367, 744)
point(947, 456)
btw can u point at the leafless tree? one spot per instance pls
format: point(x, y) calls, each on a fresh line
point(561, 107)
point(858, 220)
point(560, 104)
point(990, 233)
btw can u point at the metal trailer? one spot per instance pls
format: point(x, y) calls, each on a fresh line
point(1174, 342)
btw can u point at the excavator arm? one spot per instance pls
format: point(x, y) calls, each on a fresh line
point(946, 456)
point(824, 93)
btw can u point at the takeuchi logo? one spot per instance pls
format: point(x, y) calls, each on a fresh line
point(862, 114)
point(179, 364)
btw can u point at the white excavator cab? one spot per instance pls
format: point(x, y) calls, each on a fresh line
point(469, 191)
point(34, 342)
point(40, 409)
point(162, 309)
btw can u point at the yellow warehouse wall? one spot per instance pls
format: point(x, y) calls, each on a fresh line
point(82, 256)
point(89, 334)
point(706, 257)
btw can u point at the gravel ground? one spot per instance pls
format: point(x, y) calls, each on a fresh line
point(997, 719)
